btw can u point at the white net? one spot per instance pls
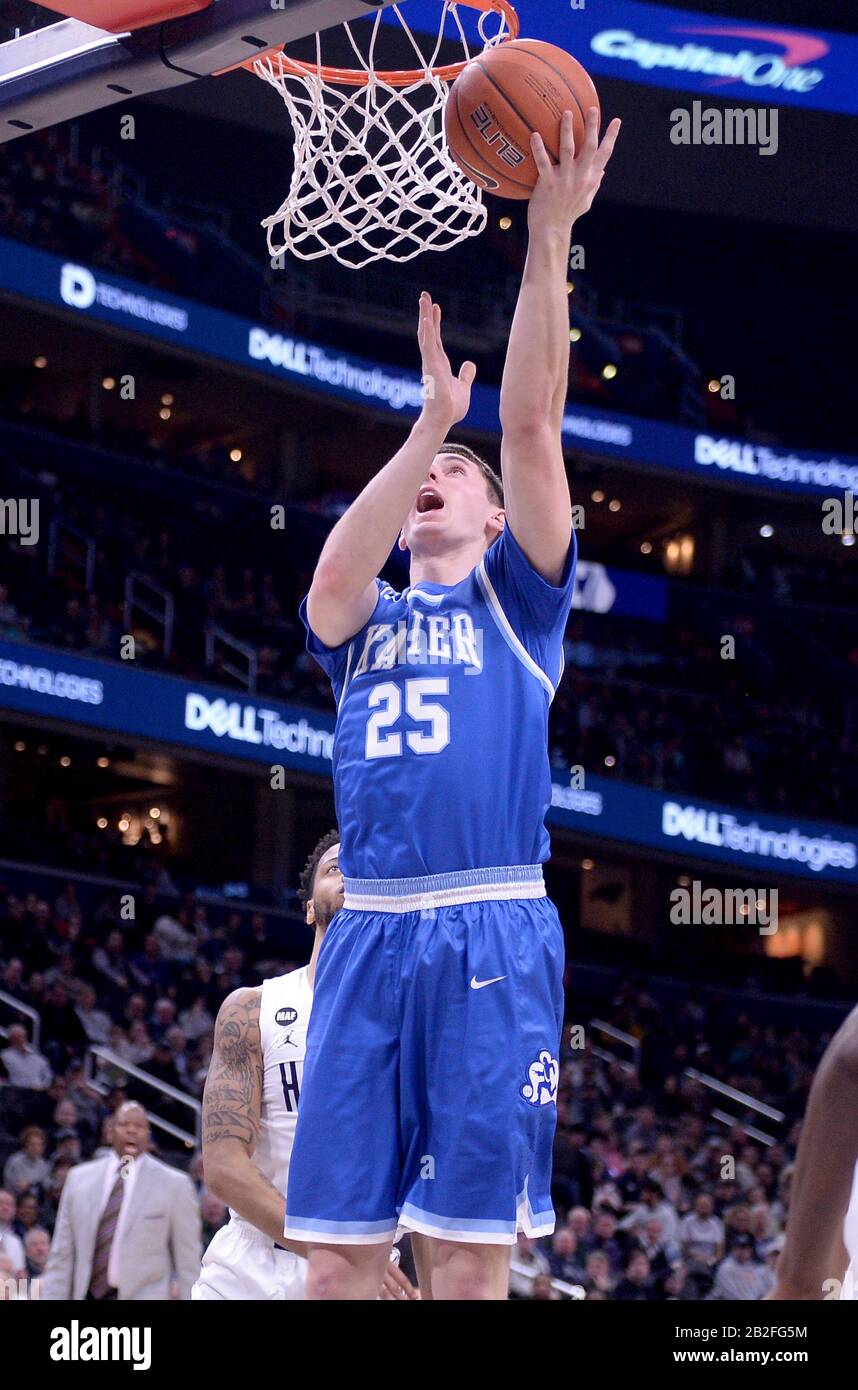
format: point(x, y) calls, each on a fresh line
point(373, 178)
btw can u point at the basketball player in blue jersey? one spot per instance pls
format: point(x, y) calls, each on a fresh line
point(438, 1005)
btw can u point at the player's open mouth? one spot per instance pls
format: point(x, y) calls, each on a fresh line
point(428, 500)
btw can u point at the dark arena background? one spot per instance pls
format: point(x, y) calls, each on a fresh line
point(182, 420)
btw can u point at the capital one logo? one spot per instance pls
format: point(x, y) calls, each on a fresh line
point(787, 69)
point(77, 286)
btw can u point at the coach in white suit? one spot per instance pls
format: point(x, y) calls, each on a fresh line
point(126, 1224)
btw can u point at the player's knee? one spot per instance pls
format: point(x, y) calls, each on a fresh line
point(325, 1284)
point(463, 1285)
point(332, 1277)
point(468, 1275)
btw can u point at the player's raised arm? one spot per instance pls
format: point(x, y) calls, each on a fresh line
point(536, 377)
point(343, 593)
point(231, 1108)
point(825, 1166)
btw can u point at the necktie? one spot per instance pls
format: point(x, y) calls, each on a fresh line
point(98, 1284)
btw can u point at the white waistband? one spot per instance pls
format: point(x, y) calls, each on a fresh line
point(444, 890)
point(250, 1233)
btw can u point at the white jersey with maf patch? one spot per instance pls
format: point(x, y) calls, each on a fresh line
point(284, 1013)
point(242, 1262)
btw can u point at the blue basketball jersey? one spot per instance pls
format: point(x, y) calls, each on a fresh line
point(441, 745)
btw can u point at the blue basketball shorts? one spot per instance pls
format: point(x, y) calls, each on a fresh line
point(429, 1096)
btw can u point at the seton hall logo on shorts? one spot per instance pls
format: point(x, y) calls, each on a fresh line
point(286, 1016)
point(542, 1076)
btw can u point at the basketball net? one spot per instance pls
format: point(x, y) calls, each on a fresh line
point(373, 178)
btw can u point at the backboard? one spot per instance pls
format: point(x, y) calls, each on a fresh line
point(59, 71)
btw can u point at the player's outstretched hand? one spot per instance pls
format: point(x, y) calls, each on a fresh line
point(397, 1286)
point(565, 191)
point(446, 397)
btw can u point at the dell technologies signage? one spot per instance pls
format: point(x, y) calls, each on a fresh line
point(80, 288)
point(211, 333)
point(685, 827)
point(114, 697)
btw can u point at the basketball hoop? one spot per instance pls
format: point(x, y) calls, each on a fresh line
point(373, 178)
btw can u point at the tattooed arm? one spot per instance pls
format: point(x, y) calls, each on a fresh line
point(232, 1101)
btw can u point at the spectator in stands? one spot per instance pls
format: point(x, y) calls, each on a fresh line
point(178, 1044)
point(196, 1021)
point(23, 1065)
point(62, 972)
point(94, 1021)
point(175, 936)
point(527, 1262)
point(257, 945)
point(737, 1224)
point(67, 1146)
point(162, 1066)
point(66, 903)
point(661, 1252)
point(604, 1237)
point(740, 1275)
point(701, 1233)
point(28, 1167)
point(572, 1173)
point(137, 1047)
point(630, 1183)
point(564, 1260)
point(652, 1203)
point(679, 1285)
point(60, 1171)
point(766, 1238)
point(26, 1212)
point(636, 1285)
point(597, 1273)
point(13, 978)
point(110, 962)
point(62, 1027)
point(149, 971)
point(11, 1247)
point(37, 1248)
point(163, 1019)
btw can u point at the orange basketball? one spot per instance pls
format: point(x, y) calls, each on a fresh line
point(500, 99)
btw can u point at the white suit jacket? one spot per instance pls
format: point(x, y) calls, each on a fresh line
point(161, 1234)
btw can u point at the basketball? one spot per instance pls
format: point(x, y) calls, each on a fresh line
point(500, 99)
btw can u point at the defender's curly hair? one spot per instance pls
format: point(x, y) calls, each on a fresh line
point(308, 873)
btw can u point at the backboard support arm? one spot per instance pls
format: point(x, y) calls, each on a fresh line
point(70, 68)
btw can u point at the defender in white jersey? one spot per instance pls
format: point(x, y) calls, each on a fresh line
point(822, 1227)
point(250, 1111)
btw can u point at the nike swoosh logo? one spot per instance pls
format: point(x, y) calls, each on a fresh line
point(481, 984)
